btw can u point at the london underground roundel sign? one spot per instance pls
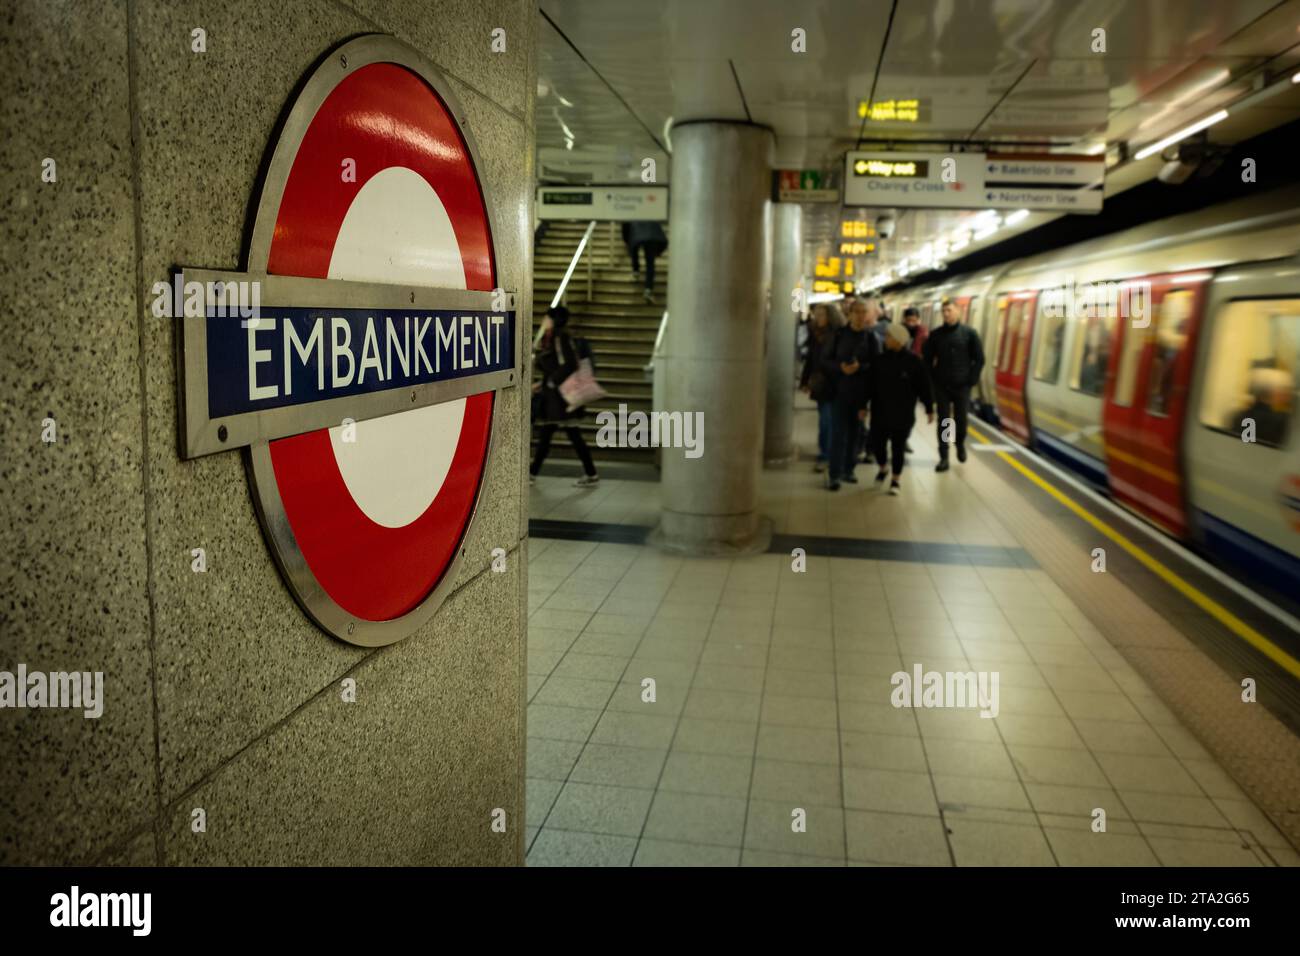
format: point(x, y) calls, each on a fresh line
point(359, 356)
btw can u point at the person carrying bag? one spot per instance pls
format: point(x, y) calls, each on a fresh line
point(567, 383)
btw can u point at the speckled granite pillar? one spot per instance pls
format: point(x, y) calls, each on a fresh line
point(220, 693)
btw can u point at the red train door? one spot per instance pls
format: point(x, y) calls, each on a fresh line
point(1013, 363)
point(1146, 395)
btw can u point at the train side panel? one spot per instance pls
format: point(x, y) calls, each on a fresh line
point(1242, 443)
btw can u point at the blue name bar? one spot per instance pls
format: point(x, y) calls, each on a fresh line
point(295, 356)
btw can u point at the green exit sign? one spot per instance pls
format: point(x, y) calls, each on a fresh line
point(803, 185)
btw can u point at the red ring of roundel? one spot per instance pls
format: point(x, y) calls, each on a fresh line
point(381, 115)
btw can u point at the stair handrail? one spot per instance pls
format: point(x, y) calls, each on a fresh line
point(659, 338)
point(564, 283)
point(573, 264)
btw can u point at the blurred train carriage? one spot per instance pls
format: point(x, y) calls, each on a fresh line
point(1135, 359)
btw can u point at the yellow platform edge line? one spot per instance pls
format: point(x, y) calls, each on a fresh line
point(1173, 579)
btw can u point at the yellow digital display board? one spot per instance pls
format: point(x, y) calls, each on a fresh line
point(892, 111)
point(833, 268)
point(828, 285)
point(855, 229)
point(857, 248)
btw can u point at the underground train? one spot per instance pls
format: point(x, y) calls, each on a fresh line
point(1160, 365)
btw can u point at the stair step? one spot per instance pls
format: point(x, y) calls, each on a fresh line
point(646, 310)
point(621, 388)
point(617, 343)
point(607, 293)
point(630, 353)
point(599, 343)
point(604, 323)
point(553, 272)
point(603, 255)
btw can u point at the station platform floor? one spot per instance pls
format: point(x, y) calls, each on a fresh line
point(773, 687)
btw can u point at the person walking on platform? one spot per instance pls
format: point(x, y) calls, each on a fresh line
point(872, 318)
point(557, 358)
point(896, 381)
point(916, 328)
point(882, 323)
point(846, 360)
point(648, 239)
point(826, 319)
point(954, 358)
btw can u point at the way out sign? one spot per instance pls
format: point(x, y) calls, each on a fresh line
point(358, 357)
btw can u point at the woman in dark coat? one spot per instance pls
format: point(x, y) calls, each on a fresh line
point(556, 358)
point(826, 318)
point(895, 382)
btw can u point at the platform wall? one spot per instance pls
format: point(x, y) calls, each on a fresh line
point(220, 693)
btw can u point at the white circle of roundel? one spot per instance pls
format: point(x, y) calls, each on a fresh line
point(397, 230)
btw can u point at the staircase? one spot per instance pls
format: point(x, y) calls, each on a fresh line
point(614, 318)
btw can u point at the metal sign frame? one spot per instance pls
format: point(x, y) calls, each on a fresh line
point(255, 430)
point(203, 435)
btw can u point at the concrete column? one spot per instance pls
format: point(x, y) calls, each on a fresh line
point(787, 271)
point(713, 352)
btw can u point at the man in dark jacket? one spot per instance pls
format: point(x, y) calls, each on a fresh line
point(954, 358)
point(912, 322)
point(896, 381)
point(845, 362)
point(648, 239)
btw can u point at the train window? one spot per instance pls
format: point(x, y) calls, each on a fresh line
point(1092, 351)
point(970, 309)
point(1131, 352)
point(1048, 366)
point(1172, 327)
point(1252, 369)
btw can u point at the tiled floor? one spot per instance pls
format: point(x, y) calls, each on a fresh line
point(771, 738)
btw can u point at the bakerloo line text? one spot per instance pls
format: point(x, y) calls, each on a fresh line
point(414, 347)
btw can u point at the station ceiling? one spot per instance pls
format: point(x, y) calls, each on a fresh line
point(615, 75)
